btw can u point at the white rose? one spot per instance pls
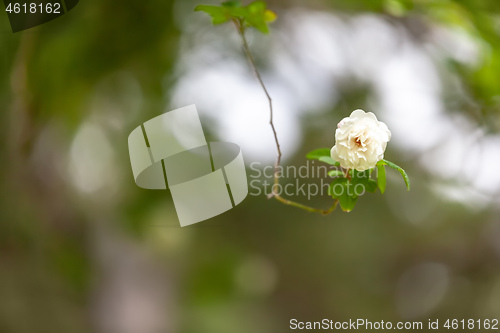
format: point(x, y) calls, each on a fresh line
point(360, 141)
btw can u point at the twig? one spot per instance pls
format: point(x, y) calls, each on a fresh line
point(275, 189)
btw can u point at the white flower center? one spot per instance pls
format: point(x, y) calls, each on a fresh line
point(358, 142)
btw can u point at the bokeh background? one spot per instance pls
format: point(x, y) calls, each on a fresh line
point(83, 249)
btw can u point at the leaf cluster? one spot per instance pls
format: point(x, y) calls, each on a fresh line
point(349, 185)
point(254, 15)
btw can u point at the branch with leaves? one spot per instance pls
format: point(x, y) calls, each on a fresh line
point(347, 179)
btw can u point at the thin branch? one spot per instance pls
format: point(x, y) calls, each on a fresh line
point(251, 60)
point(305, 207)
point(275, 189)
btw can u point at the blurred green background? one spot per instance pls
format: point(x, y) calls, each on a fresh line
point(83, 249)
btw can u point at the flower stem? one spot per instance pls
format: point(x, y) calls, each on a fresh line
point(275, 189)
point(305, 207)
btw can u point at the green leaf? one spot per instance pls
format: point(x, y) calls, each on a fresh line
point(356, 175)
point(323, 155)
point(231, 4)
point(337, 187)
point(336, 173)
point(400, 169)
point(270, 16)
point(363, 178)
point(219, 14)
point(329, 160)
point(317, 153)
point(257, 7)
point(369, 185)
point(257, 17)
point(381, 178)
point(254, 15)
point(347, 202)
point(343, 190)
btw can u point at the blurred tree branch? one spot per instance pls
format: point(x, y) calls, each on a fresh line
point(240, 26)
